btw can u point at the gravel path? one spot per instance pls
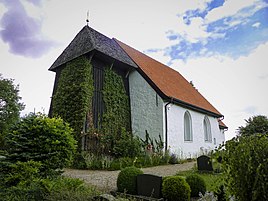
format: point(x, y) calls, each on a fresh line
point(106, 180)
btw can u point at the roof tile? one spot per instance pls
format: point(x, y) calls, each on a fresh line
point(169, 81)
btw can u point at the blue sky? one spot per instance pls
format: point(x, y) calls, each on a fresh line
point(237, 34)
point(219, 45)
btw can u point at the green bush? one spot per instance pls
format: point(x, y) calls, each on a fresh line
point(126, 181)
point(21, 181)
point(79, 161)
point(220, 192)
point(70, 189)
point(42, 139)
point(245, 162)
point(212, 181)
point(97, 162)
point(121, 163)
point(60, 189)
point(127, 145)
point(35, 190)
point(175, 188)
point(197, 185)
point(13, 174)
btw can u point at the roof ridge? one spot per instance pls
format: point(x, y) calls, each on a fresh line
point(145, 55)
point(164, 65)
point(92, 40)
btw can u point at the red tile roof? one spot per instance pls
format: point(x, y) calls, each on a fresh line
point(170, 82)
point(222, 125)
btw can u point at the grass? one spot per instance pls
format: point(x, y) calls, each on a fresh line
point(212, 180)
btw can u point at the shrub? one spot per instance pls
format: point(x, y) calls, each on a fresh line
point(197, 184)
point(42, 139)
point(245, 162)
point(175, 188)
point(126, 181)
point(70, 189)
point(79, 161)
point(60, 189)
point(35, 190)
point(220, 192)
point(12, 174)
point(127, 145)
point(96, 162)
point(173, 159)
point(21, 181)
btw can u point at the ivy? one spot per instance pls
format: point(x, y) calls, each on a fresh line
point(117, 111)
point(73, 101)
point(73, 97)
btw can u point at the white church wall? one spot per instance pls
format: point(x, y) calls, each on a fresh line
point(198, 145)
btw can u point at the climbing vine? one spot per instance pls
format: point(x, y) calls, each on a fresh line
point(73, 98)
point(117, 110)
point(72, 101)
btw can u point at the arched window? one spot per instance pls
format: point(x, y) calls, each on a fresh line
point(188, 136)
point(207, 130)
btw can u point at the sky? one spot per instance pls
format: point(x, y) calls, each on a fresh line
point(218, 45)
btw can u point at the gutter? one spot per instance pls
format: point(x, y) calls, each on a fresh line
point(195, 108)
point(166, 124)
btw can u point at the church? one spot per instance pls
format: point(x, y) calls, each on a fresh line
point(159, 100)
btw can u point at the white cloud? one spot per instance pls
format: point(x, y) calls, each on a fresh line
point(256, 25)
point(33, 10)
point(232, 86)
point(196, 32)
point(183, 6)
point(34, 80)
point(230, 8)
point(3, 9)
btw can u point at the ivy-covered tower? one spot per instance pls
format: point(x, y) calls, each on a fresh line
point(91, 88)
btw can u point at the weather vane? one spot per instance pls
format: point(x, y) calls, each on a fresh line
point(87, 20)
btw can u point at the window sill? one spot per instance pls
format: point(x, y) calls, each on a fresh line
point(188, 141)
point(207, 141)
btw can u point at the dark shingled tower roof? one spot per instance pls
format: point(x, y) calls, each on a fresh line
point(87, 40)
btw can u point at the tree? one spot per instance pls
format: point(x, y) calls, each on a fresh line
point(255, 124)
point(41, 139)
point(245, 161)
point(10, 106)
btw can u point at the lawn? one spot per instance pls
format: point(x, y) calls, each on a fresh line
point(212, 180)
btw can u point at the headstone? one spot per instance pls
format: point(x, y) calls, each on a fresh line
point(149, 185)
point(204, 163)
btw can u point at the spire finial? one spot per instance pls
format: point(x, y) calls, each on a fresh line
point(87, 20)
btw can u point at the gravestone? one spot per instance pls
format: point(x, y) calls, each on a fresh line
point(204, 163)
point(149, 185)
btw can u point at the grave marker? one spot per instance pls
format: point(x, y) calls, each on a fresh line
point(204, 163)
point(149, 185)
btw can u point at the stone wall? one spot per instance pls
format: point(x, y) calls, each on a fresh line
point(146, 107)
